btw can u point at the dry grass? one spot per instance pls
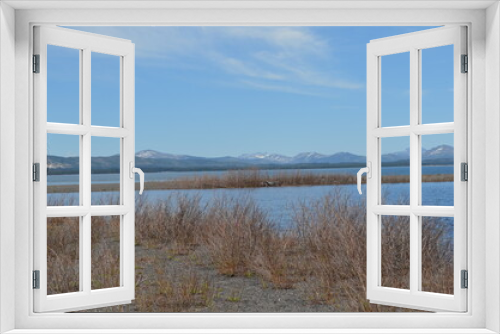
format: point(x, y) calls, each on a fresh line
point(105, 252)
point(253, 179)
point(180, 292)
point(325, 250)
point(175, 221)
point(62, 255)
point(233, 232)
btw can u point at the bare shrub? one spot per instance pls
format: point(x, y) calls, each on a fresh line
point(105, 251)
point(61, 200)
point(333, 232)
point(62, 255)
point(395, 235)
point(324, 253)
point(437, 255)
point(274, 260)
point(232, 232)
point(173, 222)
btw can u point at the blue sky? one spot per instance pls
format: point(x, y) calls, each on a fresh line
point(217, 91)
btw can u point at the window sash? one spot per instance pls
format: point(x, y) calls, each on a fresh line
point(414, 297)
point(86, 297)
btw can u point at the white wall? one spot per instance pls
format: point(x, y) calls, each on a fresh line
point(7, 160)
point(492, 164)
point(480, 123)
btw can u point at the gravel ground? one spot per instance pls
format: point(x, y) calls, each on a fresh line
point(251, 293)
point(248, 293)
point(158, 269)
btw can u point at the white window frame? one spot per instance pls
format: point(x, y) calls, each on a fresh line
point(86, 44)
point(483, 315)
point(413, 44)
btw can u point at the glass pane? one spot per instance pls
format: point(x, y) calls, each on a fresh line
point(395, 89)
point(63, 85)
point(106, 171)
point(105, 90)
point(437, 84)
point(105, 252)
point(63, 249)
point(395, 234)
point(437, 170)
point(395, 170)
point(437, 254)
point(63, 170)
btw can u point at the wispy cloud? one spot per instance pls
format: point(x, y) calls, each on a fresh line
point(240, 67)
point(287, 39)
point(286, 59)
point(306, 72)
point(282, 88)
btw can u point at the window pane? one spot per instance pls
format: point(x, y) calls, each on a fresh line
point(437, 84)
point(105, 90)
point(106, 171)
point(395, 89)
point(63, 85)
point(395, 170)
point(437, 254)
point(105, 252)
point(437, 170)
point(63, 170)
point(395, 234)
point(63, 249)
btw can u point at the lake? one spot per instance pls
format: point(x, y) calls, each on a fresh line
point(279, 202)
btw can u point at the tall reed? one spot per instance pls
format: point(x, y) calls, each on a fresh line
point(253, 178)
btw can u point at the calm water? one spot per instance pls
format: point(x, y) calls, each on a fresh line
point(280, 202)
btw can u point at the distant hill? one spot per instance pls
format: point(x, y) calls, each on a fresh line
point(155, 161)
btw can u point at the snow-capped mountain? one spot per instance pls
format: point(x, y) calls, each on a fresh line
point(57, 165)
point(438, 154)
point(152, 154)
point(342, 158)
point(266, 157)
point(150, 160)
point(307, 157)
point(303, 158)
point(442, 151)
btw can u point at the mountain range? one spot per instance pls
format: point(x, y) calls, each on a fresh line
point(154, 161)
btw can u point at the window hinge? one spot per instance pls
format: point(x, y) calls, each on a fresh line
point(36, 63)
point(465, 64)
point(36, 279)
point(36, 172)
point(465, 279)
point(464, 169)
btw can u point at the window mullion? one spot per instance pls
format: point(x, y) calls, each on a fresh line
point(81, 234)
point(85, 185)
point(415, 244)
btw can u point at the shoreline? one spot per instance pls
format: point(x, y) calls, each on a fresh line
point(237, 179)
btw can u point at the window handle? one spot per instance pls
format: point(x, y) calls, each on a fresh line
point(368, 171)
point(134, 170)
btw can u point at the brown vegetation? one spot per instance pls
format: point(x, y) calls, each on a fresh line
point(324, 253)
point(253, 179)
